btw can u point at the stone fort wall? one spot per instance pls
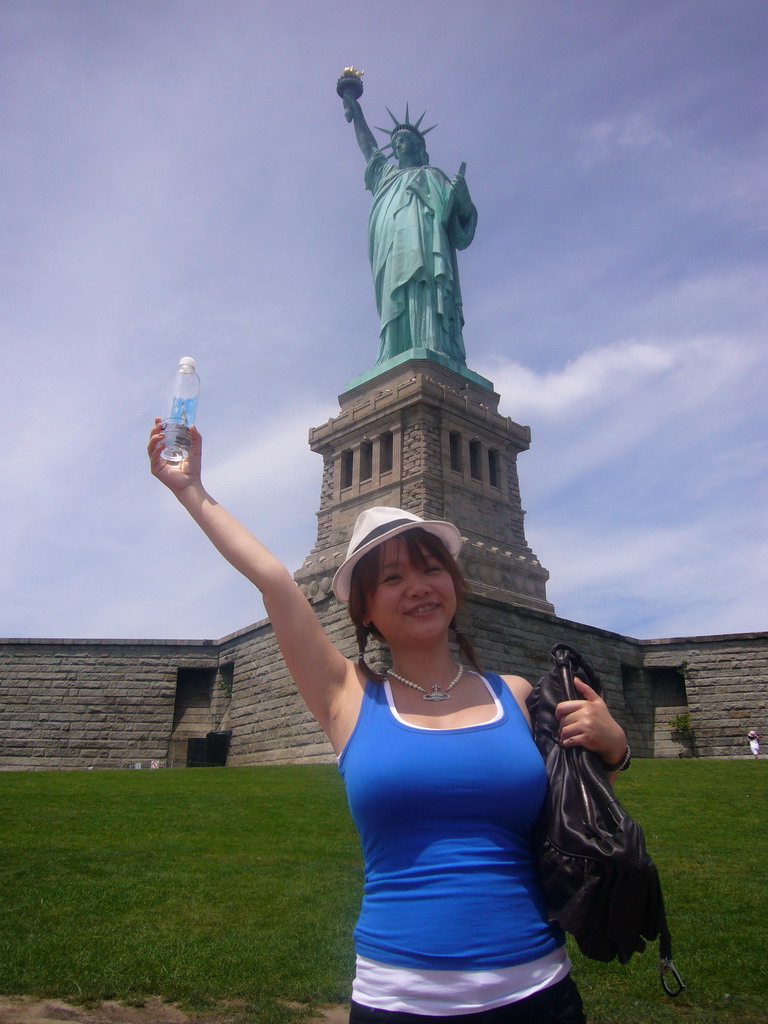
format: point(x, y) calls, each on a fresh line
point(120, 704)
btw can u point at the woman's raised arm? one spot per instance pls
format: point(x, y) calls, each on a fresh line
point(321, 673)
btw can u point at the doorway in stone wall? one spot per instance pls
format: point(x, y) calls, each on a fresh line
point(192, 720)
point(672, 735)
point(656, 697)
point(209, 751)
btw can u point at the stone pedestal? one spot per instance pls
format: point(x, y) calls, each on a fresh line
point(426, 437)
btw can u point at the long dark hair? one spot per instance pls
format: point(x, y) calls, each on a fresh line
point(421, 546)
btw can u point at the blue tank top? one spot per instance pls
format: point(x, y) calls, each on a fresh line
point(446, 820)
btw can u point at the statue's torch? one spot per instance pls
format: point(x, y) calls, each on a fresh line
point(350, 85)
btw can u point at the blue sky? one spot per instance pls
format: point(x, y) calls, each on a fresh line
point(177, 178)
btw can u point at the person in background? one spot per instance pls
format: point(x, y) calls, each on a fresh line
point(754, 743)
point(442, 776)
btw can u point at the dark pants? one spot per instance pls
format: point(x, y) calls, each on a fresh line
point(558, 1004)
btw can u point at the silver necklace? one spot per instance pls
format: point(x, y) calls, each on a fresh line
point(436, 693)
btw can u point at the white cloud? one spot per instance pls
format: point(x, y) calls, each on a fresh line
point(270, 454)
point(646, 484)
point(673, 580)
point(601, 376)
point(607, 138)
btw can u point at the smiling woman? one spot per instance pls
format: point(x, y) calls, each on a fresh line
point(414, 593)
point(443, 779)
point(414, 557)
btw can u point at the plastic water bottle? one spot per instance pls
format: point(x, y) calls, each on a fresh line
point(182, 408)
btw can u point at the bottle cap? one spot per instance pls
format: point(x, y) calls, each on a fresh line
point(187, 362)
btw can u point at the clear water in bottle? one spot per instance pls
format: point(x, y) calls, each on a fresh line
point(182, 409)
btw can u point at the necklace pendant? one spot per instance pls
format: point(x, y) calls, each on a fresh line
point(436, 694)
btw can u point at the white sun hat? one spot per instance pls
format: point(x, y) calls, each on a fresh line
point(376, 525)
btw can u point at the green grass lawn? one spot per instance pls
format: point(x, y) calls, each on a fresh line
point(214, 886)
point(704, 824)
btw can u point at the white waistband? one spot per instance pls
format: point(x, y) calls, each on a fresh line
point(451, 993)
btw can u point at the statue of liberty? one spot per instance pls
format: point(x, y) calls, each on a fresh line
point(419, 218)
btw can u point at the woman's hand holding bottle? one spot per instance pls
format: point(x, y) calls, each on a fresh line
point(178, 477)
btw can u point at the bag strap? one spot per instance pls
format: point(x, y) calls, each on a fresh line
point(665, 965)
point(570, 662)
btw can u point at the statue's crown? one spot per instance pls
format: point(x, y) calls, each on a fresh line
point(405, 125)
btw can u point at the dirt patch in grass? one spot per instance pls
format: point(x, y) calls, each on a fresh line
point(29, 1010)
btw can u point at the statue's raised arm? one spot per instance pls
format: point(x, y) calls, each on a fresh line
point(419, 218)
point(350, 88)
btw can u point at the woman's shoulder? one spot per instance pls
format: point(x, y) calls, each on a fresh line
point(520, 689)
point(518, 685)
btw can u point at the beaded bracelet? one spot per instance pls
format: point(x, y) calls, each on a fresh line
point(622, 765)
